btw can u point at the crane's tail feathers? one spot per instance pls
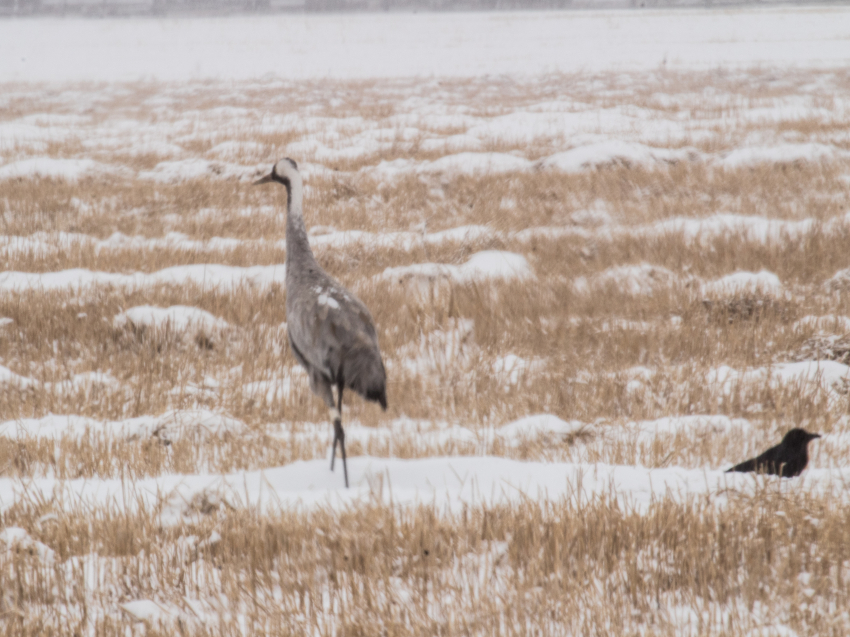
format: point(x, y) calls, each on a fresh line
point(364, 373)
point(379, 396)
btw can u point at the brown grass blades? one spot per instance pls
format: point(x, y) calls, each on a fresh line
point(622, 324)
point(575, 567)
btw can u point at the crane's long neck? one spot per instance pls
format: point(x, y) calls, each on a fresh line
point(297, 245)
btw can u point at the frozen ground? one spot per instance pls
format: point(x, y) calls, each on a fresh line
point(594, 291)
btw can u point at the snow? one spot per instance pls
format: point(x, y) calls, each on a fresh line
point(455, 462)
point(635, 280)
point(830, 377)
point(196, 424)
point(423, 44)
point(181, 170)
point(490, 265)
point(44, 244)
point(402, 240)
point(839, 281)
point(476, 163)
point(511, 369)
point(145, 610)
point(759, 283)
point(751, 228)
point(774, 630)
point(14, 538)
point(831, 323)
point(780, 154)
point(68, 169)
point(700, 425)
point(589, 224)
point(531, 427)
point(8, 377)
point(494, 264)
point(207, 276)
point(447, 483)
point(613, 152)
point(176, 317)
point(235, 149)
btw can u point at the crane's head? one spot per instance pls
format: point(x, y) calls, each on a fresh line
point(284, 172)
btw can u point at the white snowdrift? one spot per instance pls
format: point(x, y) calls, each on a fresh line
point(476, 163)
point(176, 317)
point(780, 154)
point(206, 276)
point(614, 152)
point(759, 229)
point(426, 45)
point(68, 169)
point(532, 427)
point(172, 425)
point(448, 483)
point(186, 169)
point(831, 323)
point(762, 283)
point(635, 280)
point(490, 265)
point(830, 377)
point(838, 282)
point(401, 240)
point(8, 377)
point(14, 538)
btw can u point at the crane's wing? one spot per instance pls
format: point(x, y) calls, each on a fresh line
point(334, 334)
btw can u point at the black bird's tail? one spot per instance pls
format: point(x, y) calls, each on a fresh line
point(744, 467)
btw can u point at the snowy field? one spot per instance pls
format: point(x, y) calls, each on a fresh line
point(595, 290)
point(397, 45)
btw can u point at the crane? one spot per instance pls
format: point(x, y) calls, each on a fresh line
point(331, 332)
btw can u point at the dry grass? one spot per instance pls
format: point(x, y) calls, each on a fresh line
point(716, 566)
point(588, 568)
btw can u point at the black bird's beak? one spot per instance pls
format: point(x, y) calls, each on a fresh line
point(813, 436)
point(264, 180)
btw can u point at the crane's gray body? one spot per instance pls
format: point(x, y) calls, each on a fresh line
point(331, 332)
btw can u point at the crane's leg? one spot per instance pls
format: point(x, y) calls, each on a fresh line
point(339, 435)
point(335, 418)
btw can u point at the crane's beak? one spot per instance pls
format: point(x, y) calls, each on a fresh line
point(264, 180)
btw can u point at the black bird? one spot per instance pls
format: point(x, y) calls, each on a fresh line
point(787, 459)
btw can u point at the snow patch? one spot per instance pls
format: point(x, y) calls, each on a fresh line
point(614, 152)
point(635, 280)
point(211, 276)
point(832, 323)
point(176, 317)
point(187, 169)
point(425, 280)
point(67, 169)
point(781, 154)
point(531, 427)
point(762, 283)
point(476, 164)
point(196, 424)
point(14, 538)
